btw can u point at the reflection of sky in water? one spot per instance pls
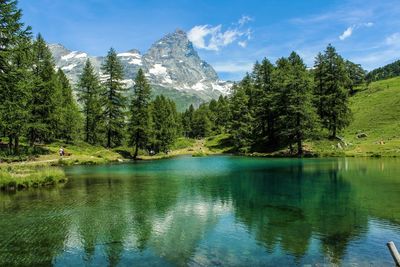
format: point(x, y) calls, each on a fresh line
point(209, 211)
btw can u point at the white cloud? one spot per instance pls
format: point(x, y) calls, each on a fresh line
point(393, 39)
point(349, 31)
point(214, 38)
point(244, 19)
point(233, 67)
point(242, 44)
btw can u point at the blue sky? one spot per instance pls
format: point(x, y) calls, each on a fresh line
point(230, 35)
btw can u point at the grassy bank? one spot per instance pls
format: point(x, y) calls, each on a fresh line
point(373, 132)
point(14, 177)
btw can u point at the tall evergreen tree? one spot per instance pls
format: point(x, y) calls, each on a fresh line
point(201, 123)
point(356, 75)
point(165, 124)
point(89, 92)
point(264, 107)
point(70, 119)
point(140, 121)
point(241, 124)
point(297, 114)
point(43, 107)
point(332, 80)
point(15, 76)
point(114, 100)
point(187, 121)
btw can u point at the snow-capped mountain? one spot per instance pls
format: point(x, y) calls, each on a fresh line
point(171, 65)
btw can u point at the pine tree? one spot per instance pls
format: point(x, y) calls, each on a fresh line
point(296, 111)
point(201, 123)
point(356, 75)
point(332, 81)
point(43, 108)
point(15, 75)
point(264, 107)
point(70, 119)
point(89, 92)
point(165, 124)
point(187, 121)
point(114, 100)
point(241, 123)
point(140, 121)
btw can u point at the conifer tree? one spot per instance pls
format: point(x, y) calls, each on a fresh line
point(15, 75)
point(201, 123)
point(140, 121)
point(241, 123)
point(296, 112)
point(264, 107)
point(43, 108)
point(70, 119)
point(332, 81)
point(165, 124)
point(89, 92)
point(114, 100)
point(187, 121)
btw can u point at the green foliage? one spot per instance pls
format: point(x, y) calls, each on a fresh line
point(385, 72)
point(89, 95)
point(241, 123)
point(113, 99)
point(69, 120)
point(15, 63)
point(296, 113)
point(19, 177)
point(43, 107)
point(165, 124)
point(140, 118)
point(331, 83)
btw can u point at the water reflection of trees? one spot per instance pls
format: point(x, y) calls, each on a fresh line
point(287, 205)
point(166, 218)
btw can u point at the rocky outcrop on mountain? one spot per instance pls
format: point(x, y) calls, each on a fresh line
point(171, 65)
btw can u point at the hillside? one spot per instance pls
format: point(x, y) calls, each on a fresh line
point(376, 113)
point(388, 71)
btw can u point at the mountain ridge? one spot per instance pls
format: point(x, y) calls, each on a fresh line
point(172, 66)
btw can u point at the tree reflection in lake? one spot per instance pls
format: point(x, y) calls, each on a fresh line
point(208, 211)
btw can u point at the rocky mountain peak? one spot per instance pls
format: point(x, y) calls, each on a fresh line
point(172, 66)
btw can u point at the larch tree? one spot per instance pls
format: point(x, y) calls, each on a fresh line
point(43, 104)
point(114, 100)
point(70, 119)
point(139, 117)
point(89, 95)
point(332, 82)
point(15, 74)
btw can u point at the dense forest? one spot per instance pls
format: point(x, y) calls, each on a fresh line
point(275, 106)
point(389, 71)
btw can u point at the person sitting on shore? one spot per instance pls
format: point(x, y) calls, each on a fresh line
point(61, 151)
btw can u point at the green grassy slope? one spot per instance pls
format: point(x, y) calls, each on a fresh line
point(376, 112)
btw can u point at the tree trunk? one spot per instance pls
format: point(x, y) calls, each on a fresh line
point(299, 147)
point(109, 138)
point(10, 144)
point(136, 146)
point(16, 145)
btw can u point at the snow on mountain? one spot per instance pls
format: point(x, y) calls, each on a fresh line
point(171, 65)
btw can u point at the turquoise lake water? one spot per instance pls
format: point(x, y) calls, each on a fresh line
point(209, 211)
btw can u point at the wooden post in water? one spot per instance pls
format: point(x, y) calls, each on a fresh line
point(394, 252)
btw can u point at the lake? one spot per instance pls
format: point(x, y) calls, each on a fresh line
point(209, 211)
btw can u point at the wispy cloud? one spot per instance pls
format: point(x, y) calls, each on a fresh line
point(393, 39)
point(349, 31)
point(214, 37)
point(244, 19)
